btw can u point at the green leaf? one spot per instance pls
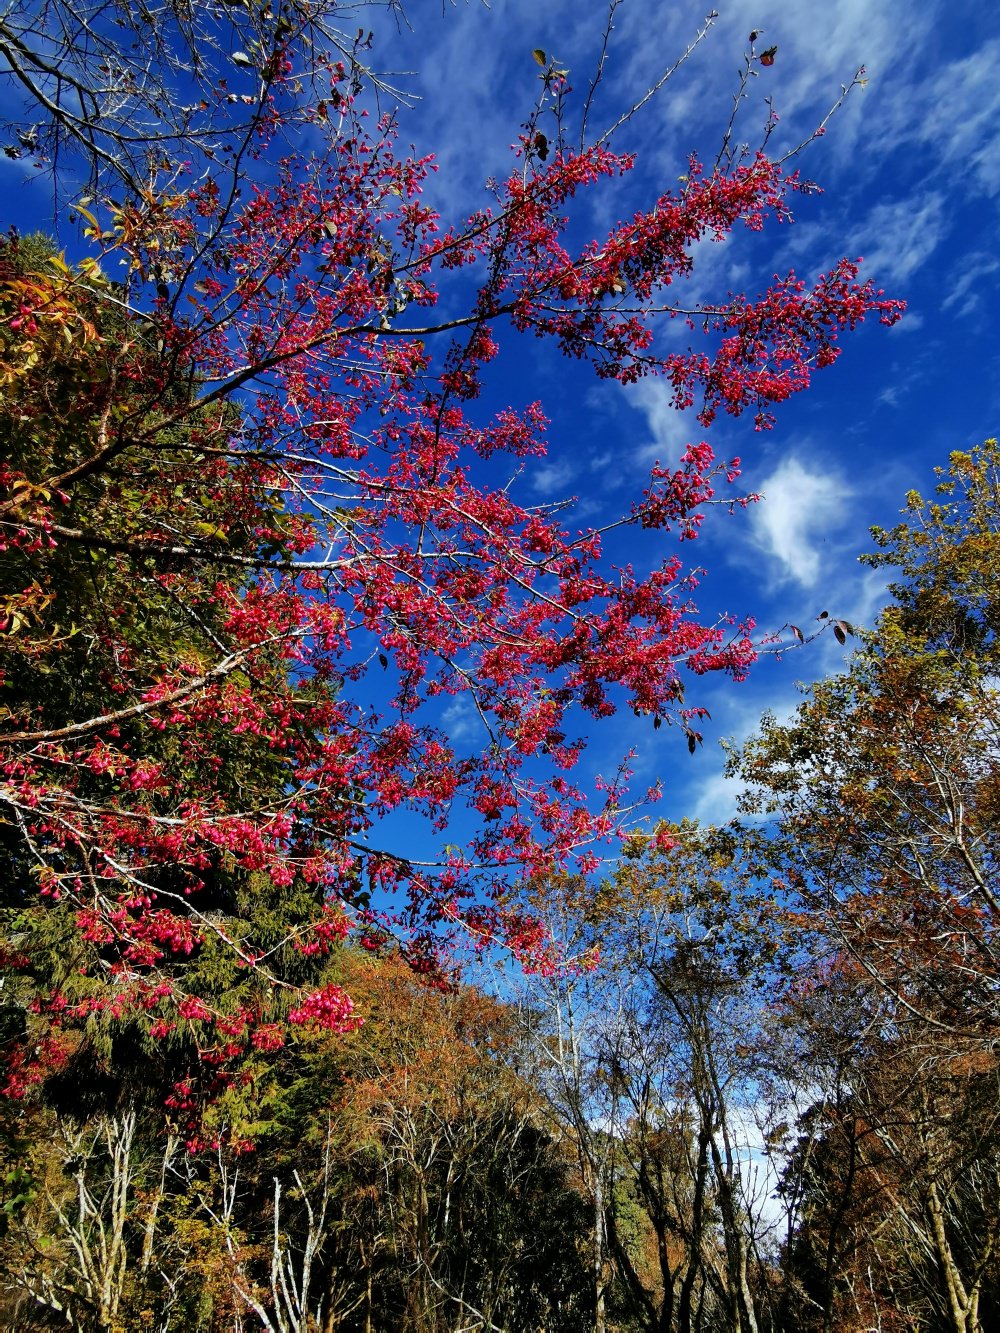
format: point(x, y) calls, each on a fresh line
point(212, 530)
point(540, 56)
point(87, 214)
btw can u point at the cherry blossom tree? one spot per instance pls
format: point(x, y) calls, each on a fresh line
point(256, 540)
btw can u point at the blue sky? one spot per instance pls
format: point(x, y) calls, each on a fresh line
point(911, 175)
point(910, 170)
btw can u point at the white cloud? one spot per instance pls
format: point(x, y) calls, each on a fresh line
point(910, 323)
point(459, 720)
point(859, 600)
point(799, 509)
point(967, 289)
point(962, 118)
point(716, 798)
point(552, 480)
point(819, 48)
point(671, 431)
point(711, 797)
point(898, 238)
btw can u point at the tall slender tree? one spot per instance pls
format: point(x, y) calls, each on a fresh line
point(884, 784)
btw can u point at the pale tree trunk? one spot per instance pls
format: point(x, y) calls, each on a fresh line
point(963, 1304)
point(599, 1248)
point(94, 1220)
point(292, 1270)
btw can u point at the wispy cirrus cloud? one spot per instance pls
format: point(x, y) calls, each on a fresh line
point(970, 284)
point(898, 238)
point(954, 115)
